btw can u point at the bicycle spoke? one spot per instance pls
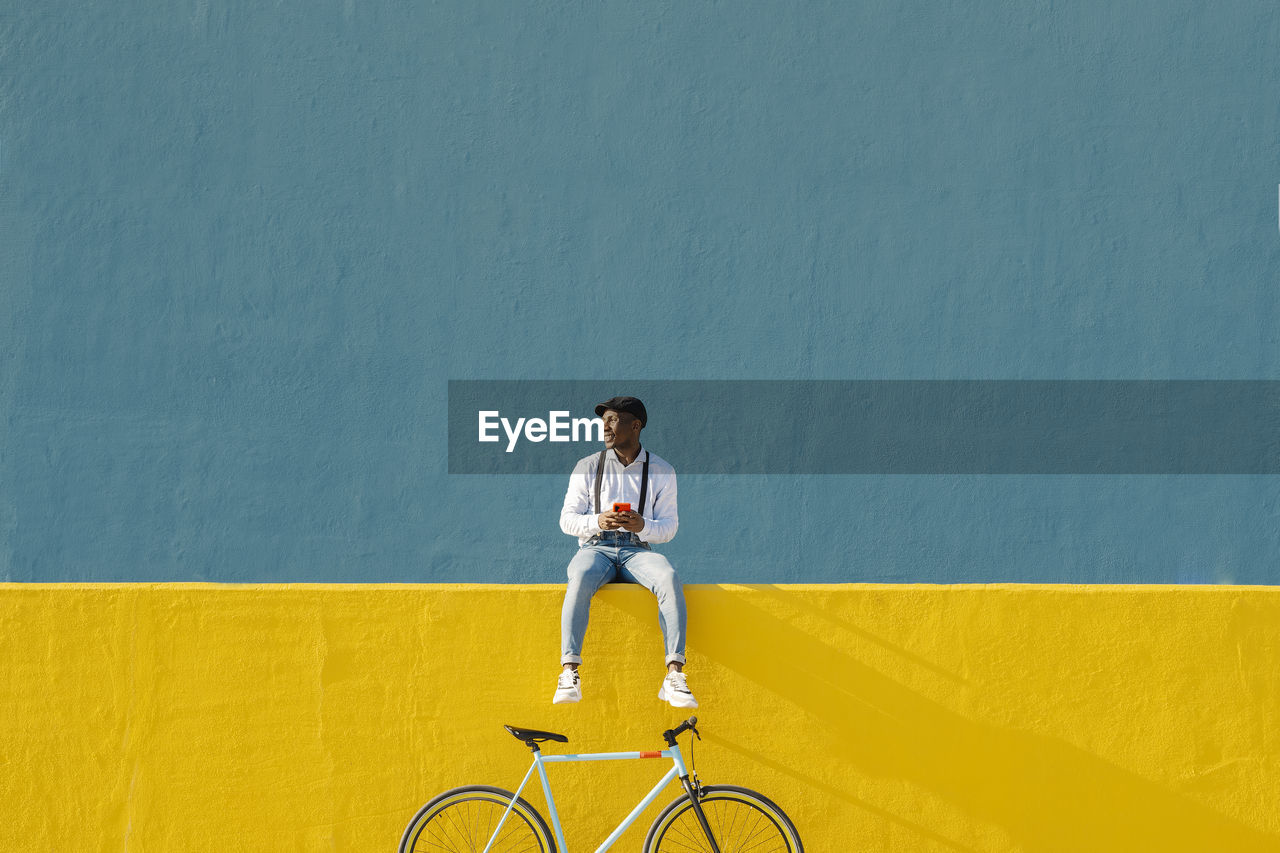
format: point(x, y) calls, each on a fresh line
point(466, 825)
point(489, 825)
point(433, 844)
point(453, 824)
point(739, 825)
point(733, 826)
point(691, 836)
point(745, 828)
point(701, 843)
point(440, 832)
point(697, 839)
point(762, 830)
point(445, 838)
point(509, 829)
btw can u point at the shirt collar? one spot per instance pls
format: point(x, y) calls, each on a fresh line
point(639, 460)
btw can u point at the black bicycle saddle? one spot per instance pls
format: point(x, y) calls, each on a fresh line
point(534, 735)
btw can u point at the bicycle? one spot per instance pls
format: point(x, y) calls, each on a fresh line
point(716, 818)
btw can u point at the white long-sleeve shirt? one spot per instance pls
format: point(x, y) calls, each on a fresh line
point(622, 485)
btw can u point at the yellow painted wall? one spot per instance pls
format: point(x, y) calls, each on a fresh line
point(905, 718)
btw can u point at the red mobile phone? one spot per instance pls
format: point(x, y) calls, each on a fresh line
point(622, 507)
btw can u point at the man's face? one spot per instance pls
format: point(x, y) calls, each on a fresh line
point(620, 428)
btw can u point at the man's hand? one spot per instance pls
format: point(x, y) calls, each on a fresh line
point(611, 520)
point(632, 521)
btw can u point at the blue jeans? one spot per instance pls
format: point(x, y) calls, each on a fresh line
point(620, 555)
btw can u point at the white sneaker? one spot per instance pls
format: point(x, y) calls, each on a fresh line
point(567, 689)
point(676, 691)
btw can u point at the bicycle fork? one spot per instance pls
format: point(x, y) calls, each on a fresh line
point(687, 780)
point(692, 788)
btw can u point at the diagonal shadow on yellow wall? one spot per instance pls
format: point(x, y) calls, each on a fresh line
point(1045, 793)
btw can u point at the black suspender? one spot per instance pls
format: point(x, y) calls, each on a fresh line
point(599, 477)
point(644, 479)
point(644, 482)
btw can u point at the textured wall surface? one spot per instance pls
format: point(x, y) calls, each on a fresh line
point(906, 718)
point(246, 245)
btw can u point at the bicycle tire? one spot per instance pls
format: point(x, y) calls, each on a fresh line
point(461, 820)
point(740, 819)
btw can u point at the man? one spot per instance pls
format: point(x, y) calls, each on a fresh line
point(616, 544)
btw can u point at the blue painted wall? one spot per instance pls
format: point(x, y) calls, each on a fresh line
point(245, 246)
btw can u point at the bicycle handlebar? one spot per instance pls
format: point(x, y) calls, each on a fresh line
point(690, 724)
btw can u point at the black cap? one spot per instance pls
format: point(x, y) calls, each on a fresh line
point(624, 404)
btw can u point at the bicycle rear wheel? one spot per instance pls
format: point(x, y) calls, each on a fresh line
point(463, 820)
point(740, 819)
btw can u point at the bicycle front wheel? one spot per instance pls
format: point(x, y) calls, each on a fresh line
point(740, 819)
point(464, 819)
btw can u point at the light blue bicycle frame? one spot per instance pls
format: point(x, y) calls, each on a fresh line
point(539, 763)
